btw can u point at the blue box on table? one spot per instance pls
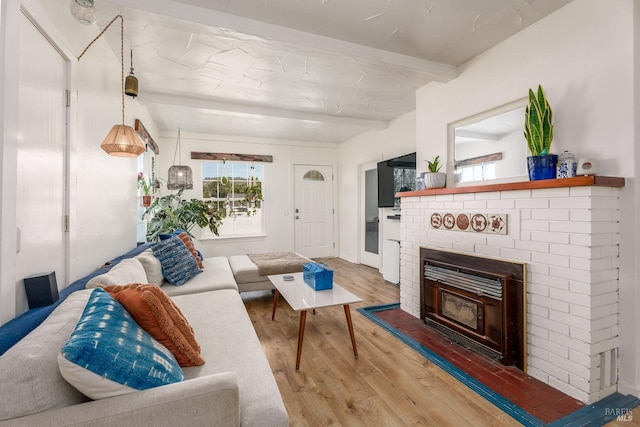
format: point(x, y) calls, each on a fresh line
point(318, 276)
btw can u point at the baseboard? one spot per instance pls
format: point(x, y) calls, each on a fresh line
point(625, 387)
point(353, 261)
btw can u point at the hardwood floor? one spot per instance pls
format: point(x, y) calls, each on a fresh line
point(388, 385)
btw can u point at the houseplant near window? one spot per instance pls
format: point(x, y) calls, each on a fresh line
point(169, 213)
point(148, 187)
point(433, 178)
point(538, 131)
point(253, 195)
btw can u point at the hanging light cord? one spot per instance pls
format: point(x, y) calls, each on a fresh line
point(177, 152)
point(121, 55)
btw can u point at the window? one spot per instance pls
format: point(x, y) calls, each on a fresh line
point(479, 172)
point(313, 175)
point(235, 190)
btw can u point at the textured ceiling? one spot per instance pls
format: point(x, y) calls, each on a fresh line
point(310, 70)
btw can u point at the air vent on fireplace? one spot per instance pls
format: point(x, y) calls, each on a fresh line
point(469, 282)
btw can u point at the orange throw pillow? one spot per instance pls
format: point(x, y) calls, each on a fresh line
point(189, 244)
point(157, 314)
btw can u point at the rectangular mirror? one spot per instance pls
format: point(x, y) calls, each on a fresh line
point(488, 147)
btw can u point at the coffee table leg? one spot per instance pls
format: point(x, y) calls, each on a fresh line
point(303, 321)
point(347, 313)
point(276, 297)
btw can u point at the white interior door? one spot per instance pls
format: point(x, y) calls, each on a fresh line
point(369, 222)
point(313, 210)
point(40, 180)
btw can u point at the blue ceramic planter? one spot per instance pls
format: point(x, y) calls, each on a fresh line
point(542, 167)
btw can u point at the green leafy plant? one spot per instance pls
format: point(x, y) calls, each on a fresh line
point(171, 212)
point(252, 195)
point(147, 186)
point(434, 166)
point(538, 123)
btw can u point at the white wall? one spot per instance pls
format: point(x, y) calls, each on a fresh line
point(583, 55)
point(101, 189)
point(398, 139)
point(278, 183)
point(629, 298)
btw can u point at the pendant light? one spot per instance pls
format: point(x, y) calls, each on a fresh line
point(122, 140)
point(83, 11)
point(179, 176)
point(131, 82)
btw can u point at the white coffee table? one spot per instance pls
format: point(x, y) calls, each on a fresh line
point(301, 297)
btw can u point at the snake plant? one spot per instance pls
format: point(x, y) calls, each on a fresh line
point(538, 123)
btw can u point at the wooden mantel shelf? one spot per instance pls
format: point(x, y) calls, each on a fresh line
point(580, 181)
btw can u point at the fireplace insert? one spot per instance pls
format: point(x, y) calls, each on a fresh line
point(476, 300)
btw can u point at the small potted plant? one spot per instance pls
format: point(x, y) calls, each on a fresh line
point(538, 131)
point(433, 178)
point(147, 187)
point(253, 195)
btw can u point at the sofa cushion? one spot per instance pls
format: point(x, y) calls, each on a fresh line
point(244, 270)
point(30, 381)
point(178, 264)
point(215, 276)
point(127, 271)
point(152, 267)
point(157, 314)
point(189, 244)
point(230, 344)
point(108, 354)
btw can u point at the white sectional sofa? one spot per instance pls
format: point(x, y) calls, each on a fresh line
point(234, 387)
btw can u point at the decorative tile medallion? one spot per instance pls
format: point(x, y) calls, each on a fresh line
point(473, 222)
point(462, 222)
point(436, 220)
point(478, 223)
point(497, 224)
point(449, 221)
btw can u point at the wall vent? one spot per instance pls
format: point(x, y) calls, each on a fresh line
point(608, 368)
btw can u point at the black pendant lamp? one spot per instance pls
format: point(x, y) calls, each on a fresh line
point(180, 176)
point(131, 82)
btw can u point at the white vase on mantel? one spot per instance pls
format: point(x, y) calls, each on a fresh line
point(434, 180)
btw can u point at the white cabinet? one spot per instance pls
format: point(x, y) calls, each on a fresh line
point(391, 261)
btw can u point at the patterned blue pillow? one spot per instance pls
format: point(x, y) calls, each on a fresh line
point(178, 264)
point(108, 354)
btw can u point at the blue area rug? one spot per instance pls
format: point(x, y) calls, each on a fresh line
point(615, 406)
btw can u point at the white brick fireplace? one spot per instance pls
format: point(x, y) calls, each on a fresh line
point(568, 237)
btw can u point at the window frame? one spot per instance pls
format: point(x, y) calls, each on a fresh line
point(257, 220)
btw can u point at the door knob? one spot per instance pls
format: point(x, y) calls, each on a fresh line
point(297, 217)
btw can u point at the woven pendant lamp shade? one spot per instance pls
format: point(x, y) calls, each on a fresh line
point(179, 176)
point(122, 141)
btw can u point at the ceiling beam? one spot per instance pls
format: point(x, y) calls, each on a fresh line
point(435, 70)
point(229, 107)
point(484, 136)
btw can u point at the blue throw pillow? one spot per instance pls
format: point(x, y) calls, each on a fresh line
point(178, 264)
point(175, 233)
point(169, 235)
point(109, 354)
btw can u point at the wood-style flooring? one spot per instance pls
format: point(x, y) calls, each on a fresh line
point(388, 385)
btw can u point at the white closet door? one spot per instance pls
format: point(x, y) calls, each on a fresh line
point(40, 181)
